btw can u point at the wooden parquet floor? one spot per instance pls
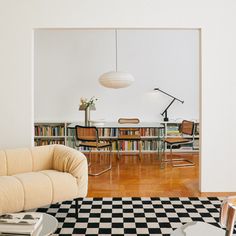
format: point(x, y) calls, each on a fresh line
point(130, 176)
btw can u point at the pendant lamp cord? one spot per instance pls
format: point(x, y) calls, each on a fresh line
point(116, 47)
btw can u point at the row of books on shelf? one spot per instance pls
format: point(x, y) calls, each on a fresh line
point(28, 224)
point(152, 146)
point(147, 132)
point(174, 129)
point(134, 145)
point(172, 133)
point(151, 132)
point(41, 142)
point(113, 132)
point(125, 145)
point(130, 146)
point(40, 130)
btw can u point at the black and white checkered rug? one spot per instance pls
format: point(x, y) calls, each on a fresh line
point(132, 215)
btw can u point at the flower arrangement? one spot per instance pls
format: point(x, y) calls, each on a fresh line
point(87, 103)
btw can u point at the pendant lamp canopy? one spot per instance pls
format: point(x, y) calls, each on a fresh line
point(116, 79)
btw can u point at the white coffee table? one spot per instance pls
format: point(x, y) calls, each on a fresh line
point(198, 228)
point(49, 225)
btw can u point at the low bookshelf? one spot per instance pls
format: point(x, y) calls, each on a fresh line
point(54, 132)
point(50, 132)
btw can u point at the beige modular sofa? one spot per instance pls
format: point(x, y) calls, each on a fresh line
point(35, 177)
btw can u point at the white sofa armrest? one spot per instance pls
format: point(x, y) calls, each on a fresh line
point(69, 160)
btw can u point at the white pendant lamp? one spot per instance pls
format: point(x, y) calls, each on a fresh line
point(116, 79)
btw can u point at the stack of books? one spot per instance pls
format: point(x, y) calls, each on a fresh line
point(173, 130)
point(21, 224)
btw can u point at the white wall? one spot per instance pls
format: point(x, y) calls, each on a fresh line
point(68, 64)
point(216, 19)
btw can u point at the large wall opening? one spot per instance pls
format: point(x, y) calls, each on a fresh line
point(68, 63)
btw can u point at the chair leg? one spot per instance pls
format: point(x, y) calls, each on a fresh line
point(172, 160)
point(76, 208)
point(118, 149)
point(162, 157)
point(110, 160)
point(158, 149)
point(189, 163)
point(171, 153)
point(140, 149)
point(105, 170)
point(165, 159)
point(160, 146)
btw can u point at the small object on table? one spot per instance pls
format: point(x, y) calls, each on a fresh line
point(87, 106)
point(20, 223)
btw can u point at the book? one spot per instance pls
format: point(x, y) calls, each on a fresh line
point(35, 233)
point(26, 223)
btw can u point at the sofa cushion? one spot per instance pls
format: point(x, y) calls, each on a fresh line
point(18, 161)
point(3, 163)
point(64, 185)
point(37, 189)
point(42, 157)
point(29, 190)
point(22, 160)
point(12, 194)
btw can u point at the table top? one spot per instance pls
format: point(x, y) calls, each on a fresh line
point(49, 225)
point(198, 228)
point(118, 125)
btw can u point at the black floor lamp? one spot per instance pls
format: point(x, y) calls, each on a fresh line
point(165, 111)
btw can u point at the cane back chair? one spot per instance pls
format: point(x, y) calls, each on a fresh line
point(187, 137)
point(88, 137)
point(129, 134)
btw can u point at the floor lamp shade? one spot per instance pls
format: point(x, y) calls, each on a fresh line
point(116, 79)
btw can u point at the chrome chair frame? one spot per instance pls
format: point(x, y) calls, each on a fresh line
point(92, 142)
point(171, 142)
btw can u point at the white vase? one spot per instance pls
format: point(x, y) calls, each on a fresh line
point(87, 116)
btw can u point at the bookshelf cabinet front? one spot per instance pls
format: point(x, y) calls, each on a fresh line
point(151, 139)
point(49, 133)
point(58, 133)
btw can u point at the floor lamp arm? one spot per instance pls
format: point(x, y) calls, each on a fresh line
point(165, 111)
point(174, 98)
